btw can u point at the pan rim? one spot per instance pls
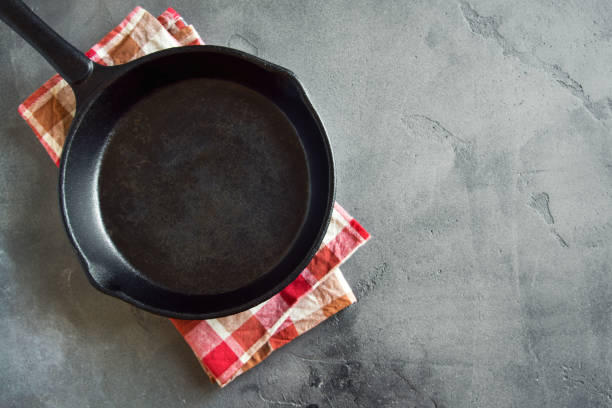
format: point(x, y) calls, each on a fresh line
point(87, 95)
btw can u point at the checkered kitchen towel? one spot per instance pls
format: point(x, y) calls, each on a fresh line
point(228, 346)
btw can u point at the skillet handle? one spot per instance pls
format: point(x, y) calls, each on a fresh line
point(69, 62)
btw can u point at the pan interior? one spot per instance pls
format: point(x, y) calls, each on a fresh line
point(203, 186)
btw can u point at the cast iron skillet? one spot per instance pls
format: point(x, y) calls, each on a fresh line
point(195, 182)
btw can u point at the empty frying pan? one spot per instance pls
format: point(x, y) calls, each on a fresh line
point(195, 182)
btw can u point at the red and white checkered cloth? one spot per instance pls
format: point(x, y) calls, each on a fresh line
point(228, 346)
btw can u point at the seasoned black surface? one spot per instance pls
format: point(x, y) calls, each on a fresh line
point(206, 193)
point(211, 187)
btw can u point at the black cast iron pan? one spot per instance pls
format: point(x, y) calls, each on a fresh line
point(195, 182)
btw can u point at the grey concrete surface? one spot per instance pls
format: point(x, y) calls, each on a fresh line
point(473, 140)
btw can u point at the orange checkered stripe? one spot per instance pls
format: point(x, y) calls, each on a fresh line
point(228, 346)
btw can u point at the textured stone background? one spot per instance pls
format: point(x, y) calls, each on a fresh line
point(472, 140)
